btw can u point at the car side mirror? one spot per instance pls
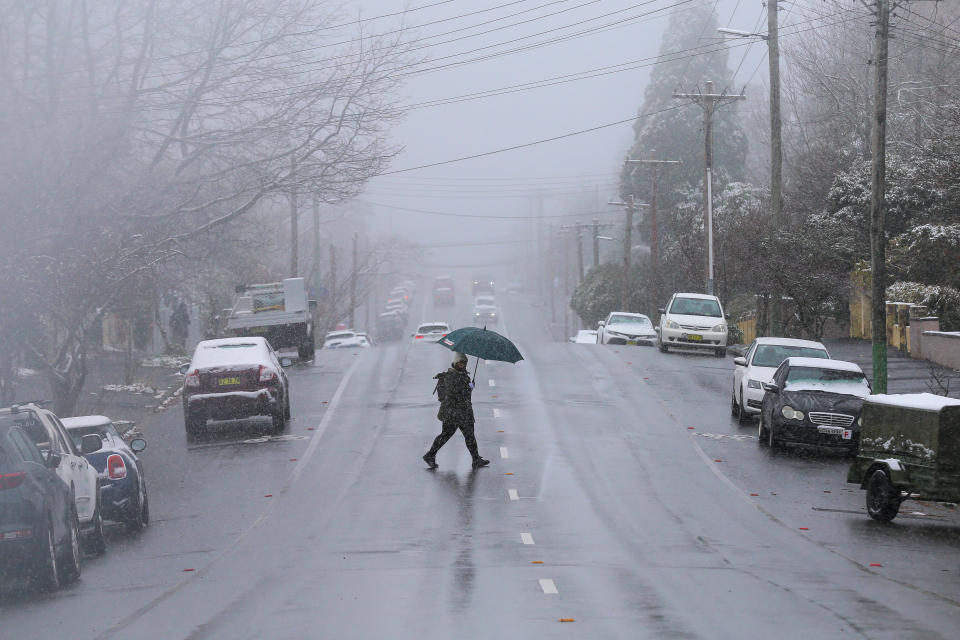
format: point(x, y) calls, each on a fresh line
point(184, 368)
point(138, 444)
point(601, 324)
point(771, 387)
point(285, 362)
point(51, 459)
point(740, 362)
point(90, 443)
point(727, 316)
point(662, 310)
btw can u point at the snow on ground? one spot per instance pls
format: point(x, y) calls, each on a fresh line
point(136, 387)
point(172, 362)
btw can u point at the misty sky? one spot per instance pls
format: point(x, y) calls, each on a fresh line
point(503, 184)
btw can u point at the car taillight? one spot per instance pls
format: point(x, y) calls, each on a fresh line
point(418, 337)
point(192, 379)
point(444, 336)
point(267, 374)
point(12, 480)
point(116, 468)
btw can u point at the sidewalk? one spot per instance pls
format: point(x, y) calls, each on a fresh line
point(104, 392)
point(904, 374)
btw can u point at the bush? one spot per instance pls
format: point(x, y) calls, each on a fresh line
point(943, 302)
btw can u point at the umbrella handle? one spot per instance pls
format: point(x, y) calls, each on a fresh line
point(476, 364)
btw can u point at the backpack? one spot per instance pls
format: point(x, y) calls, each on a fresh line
point(440, 388)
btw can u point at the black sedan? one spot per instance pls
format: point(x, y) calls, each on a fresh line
point(123, 487)
point(39, 529)
point(813, 401)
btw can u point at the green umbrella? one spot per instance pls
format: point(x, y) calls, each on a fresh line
point(482, 343)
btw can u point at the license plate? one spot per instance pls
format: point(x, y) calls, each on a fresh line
point(633, 342)
point(229, 381)
point(833, 431)
point(694, 337)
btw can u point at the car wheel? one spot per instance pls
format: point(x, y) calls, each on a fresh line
point(279, 421)
point(742, 415)
point(663, 347)
point(763, 434)
point(883, 499)
point(48, 570)
point(194, 427)
point(733, 404)
point(772, 439)
point(720, 352)
point(138, 517)
point(69, 564)
point(286, 407)
point(96, 541)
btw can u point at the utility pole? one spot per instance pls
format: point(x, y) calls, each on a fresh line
point(630, 206)
point(353, 282)
point(315, 272)
point(580, 253)
point(709, 102)
point(566, 287)
point(654, 237)
point(332, 295)
point(294, 215)
point(596, 242)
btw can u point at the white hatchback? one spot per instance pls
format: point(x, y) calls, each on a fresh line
point(622, 327)
point(431, 332)
point(693, 320)
point(758, 365)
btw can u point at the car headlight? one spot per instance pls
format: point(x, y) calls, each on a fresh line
point(754, 384)
point(672, 325)
point(859, 424)
point(790, 413)
point(720, 328)
point(493, 315)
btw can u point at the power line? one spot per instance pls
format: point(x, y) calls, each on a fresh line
point(483, 216)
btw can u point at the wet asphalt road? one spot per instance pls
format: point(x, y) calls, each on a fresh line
point(602, 505)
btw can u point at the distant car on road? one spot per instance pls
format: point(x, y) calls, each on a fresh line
point(341, 340)
point(39, 528)
point(585, 336)
point(234, 378)
point(483, 284)
point(364, 340)
point(622, 327)
point(814, 401)
point(390, 326)
point(431, 332)
point(485, 310)
point(693, 320)
point(444, 293)
point(758, 365)
point(123, 486)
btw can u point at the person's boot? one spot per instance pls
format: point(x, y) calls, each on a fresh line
point(430, 460)
point(480, 462)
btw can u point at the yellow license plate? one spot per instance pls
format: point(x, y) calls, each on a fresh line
point(633, 342)
point(228, 381)
point(694, 337)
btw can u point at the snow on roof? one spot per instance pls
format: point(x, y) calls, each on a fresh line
point(227, 352)
point(627, 313)
point(82, 422)
point(699, 296)
point(925, 401)
point(792, 342)
point(823, 363)
point(438, 322)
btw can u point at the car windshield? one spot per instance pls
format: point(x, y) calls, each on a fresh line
point(696, 307)
point(432, 328)
point(77, 433)
point(771, 355)
point(484, 301)
point(641, 320)
point(829, 380)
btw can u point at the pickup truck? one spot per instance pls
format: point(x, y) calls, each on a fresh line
point(278, 311)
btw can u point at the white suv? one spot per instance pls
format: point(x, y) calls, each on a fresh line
point(693, 320)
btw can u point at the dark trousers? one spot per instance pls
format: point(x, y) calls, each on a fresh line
point(449, 428)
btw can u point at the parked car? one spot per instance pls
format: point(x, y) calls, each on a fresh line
point(622, 327)
point(693, 320)
point(431, 332)
point(50, 436)
point(814, 401)
point(585, 336)
point(341, 339)
point(123, 486)
point(444, 293)
point(909, 448)
point(485, 310)
point(364, 340)
point(483, 284)
point(39, 527)
point(234, 378)
point(758, 365)
point(398, 305)
point(402, 293)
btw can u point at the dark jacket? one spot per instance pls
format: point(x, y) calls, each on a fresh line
point(455, 397)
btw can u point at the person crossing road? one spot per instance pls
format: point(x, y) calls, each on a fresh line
point(455, 391)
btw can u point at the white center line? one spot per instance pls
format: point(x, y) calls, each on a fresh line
point(513, 494)
point(547, 585)
point(526, 538)
point(492, 383)
point(504, 453)
point(496, 413)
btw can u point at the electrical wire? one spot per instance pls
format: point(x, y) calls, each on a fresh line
point(482, 216)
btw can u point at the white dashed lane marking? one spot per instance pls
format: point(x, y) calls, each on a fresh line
point(504, 453)
point(496, 413)
point(492, 382)
point(547, 585)
point(513, 494)
point(526, 538)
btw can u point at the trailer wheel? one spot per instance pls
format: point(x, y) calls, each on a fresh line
point(883, 499)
